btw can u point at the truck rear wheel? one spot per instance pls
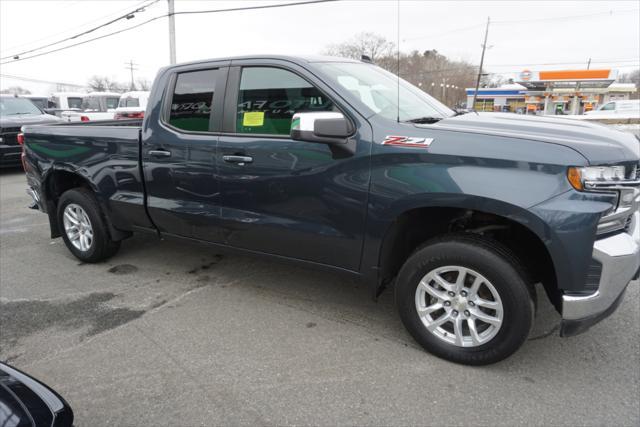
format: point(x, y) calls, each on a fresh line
point(466, 299)
point(84, 230)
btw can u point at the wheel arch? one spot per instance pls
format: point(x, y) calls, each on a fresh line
point(61, 178)
point(517, 228)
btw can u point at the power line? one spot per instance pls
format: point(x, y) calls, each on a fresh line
point(561, 18)
point(457, 30)
point(85, 41)
point(127, 16)
point(29, 79)
point(163, 16)
point(613, 61)
point(435, 35)
point(236, 9)
point(471, 67)
point(69, 30)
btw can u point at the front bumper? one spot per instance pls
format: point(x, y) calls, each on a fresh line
point(10, 155)
point(620, 258)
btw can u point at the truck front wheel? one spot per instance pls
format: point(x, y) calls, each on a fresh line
point(465, 298)
point(84, 230)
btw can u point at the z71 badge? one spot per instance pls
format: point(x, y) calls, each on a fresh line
point(407, 141)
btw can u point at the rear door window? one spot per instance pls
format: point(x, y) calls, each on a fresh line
point(192, 99)
point(269, 97)
point(112, 103)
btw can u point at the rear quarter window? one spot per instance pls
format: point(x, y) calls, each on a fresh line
point(191, 100)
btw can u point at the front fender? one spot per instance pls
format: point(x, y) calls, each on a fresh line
point(565, 224)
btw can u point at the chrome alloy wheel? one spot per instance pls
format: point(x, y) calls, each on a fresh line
point(459, 306)
point(78, 227)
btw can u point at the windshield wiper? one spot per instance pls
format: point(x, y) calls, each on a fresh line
point(424, 120)
point(16, 114)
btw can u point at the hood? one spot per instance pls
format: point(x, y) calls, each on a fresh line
point(598, 143)
point(27, 119)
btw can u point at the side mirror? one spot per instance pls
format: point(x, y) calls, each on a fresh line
point(331, 128)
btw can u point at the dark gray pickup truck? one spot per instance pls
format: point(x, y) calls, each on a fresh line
point(312, 160)
point(16, 112)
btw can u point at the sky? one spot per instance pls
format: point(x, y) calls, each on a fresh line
point(534, 35)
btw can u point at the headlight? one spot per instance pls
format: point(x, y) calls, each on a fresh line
point(579, 177)
point(612, 180)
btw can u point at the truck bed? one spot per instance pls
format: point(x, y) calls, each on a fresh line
point(106, 154)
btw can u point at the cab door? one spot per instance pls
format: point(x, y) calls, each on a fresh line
point(286, 197)
point(178, 150)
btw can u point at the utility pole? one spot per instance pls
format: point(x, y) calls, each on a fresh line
point(172, 33)
point(131, 66)
point(444, 90)
point(484, 47)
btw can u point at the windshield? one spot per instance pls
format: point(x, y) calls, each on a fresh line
point(10, 106)
point(41, 103)
point(378, 90)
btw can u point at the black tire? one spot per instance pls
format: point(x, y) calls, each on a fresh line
point(499, 266)
point(102, 246)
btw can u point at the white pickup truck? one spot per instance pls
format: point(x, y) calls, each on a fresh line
point(95, 106)
point(132, 105)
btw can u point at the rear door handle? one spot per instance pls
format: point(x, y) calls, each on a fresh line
point(237, 159)
point(160, 153)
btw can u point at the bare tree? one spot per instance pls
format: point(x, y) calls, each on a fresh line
point(98, 83)
point(104, 83)
point(630, 77)
point(372, 45)
point(16, 90)
point(430, 70)
point(143, 84)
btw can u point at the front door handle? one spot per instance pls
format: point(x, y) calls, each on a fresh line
point(237, 159)
point(160, 153)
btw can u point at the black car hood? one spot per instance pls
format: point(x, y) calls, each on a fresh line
point(27, 119)
point(26, 402)
point(598, 143)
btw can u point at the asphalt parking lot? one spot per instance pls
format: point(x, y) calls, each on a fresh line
point(167, 333)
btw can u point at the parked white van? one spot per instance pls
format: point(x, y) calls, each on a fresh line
point(132, 105)
point(619, 108)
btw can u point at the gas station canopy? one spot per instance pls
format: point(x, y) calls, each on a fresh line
point(544, 80)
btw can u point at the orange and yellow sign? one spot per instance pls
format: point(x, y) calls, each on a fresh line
point(574, 74)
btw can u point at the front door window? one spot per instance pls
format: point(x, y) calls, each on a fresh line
point(269, 97)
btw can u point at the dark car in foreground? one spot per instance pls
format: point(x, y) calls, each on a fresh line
point(14, 113)
point(322, 162)
point(26, 402)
